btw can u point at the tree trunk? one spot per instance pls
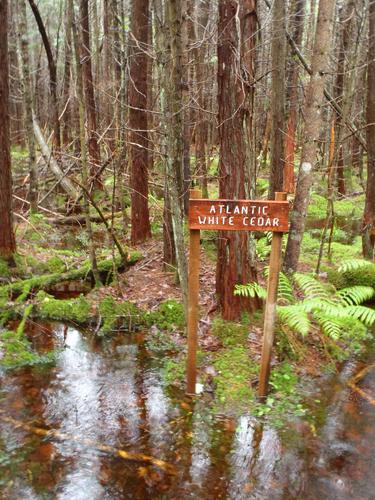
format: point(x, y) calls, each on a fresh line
point(52, 73)
point(175, 135)
point(139, 143)
point(27, 95)
point(66, 118)
point(237, 27)
point(7, 239)
point(313, 121)
point(278, 53)
point(84, 157)
point(292, 93)
point(368, 239)
point(90, 105)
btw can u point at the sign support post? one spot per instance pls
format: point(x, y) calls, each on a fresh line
point(193, 295)
point(270, 309)
point(235, 215)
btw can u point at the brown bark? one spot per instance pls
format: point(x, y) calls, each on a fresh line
point(313, 120)
point(7, 239)
point(345, 17)
point(66, 118)
point(139, 143)
point(52, 72)
point(90, 105)
point(292, 94)
point(235, 77)
point(278, 53)
point(368, 240)
point(28, 109)
point(175, 134)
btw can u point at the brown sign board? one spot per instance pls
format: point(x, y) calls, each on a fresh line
point(239, 215)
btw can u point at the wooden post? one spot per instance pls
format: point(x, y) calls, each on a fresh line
point(270, 310)
point(193, 295)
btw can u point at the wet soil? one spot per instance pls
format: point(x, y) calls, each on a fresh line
point(99, 424)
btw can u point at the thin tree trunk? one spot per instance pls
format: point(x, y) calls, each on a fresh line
point(7, 239)
point(290, 140)
point(67, 118)
point(84, 157)
point(27, 95)
point(175, 134)
point(90, 105)
point(368, 239)
point(52, 73)
point(138, 99)
point(313, 122)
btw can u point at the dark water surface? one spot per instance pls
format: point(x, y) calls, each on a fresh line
point(105, 397)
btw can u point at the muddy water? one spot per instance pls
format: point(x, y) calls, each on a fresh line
point(100, 425)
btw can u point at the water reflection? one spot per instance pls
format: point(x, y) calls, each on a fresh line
point(111, 393)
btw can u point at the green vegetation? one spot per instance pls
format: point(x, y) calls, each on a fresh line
point(17, 350)
point(284, 401)
point(72, 310)
point(339, 315)
point(115, 316)
point(235, 370)
point(230, 333)
point(168, 316)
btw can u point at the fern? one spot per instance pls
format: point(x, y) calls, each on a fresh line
point(285, 288)
point(310, 286)
point(364, 314)
point(295, 318)
point(353, 265)
point(250, 290)
point(330, 326)
point(355, 295)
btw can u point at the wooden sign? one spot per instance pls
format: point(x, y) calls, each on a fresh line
point(241, 215)
point(235, 215)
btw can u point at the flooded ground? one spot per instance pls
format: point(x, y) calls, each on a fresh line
point(100, 425)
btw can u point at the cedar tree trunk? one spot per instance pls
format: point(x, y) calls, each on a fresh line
point(139, 143)
point(7, 240)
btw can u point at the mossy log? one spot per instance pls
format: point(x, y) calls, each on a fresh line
point(21, 289)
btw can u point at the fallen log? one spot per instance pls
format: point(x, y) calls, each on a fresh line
point(65, 183)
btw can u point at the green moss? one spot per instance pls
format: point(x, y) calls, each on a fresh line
point(317, 209)
point(4, 269)
point(56, 265)
point(362, 276)
point(174, 371)
point(284, 401)
point(118, 316)
point(75, 310)
point(168, 316)
point(350, 207)
point(17, 350)
point(229, 332)
point(235, 371)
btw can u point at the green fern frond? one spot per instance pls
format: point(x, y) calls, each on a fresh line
point(285, 289)
point(329, 325)
point(327, 304)
point(310, 286)
point(295, 318)
point(250, 290)
point(353, 264)
point(364, 314)
point(355, 295)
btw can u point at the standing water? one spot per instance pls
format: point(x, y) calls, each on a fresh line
point(99, 424)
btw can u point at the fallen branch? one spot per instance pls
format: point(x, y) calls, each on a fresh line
point(65, 183)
